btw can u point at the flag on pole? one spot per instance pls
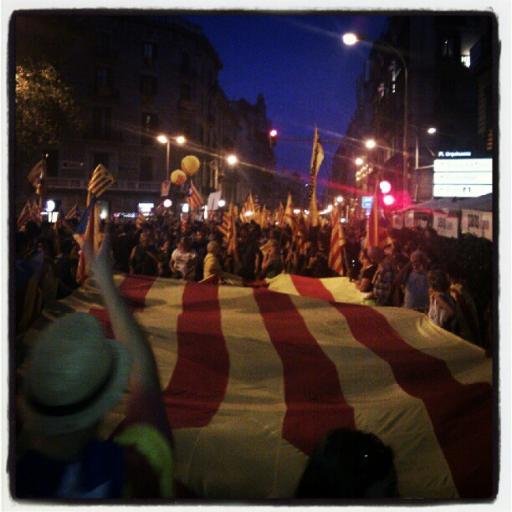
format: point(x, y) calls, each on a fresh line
point(372, 226)
point(317, 158)
point(36, 176)
point(85, 229)
point(254, 378)
point(337, 243)
point(72, 213)
point(288, 211)
point(100, 181)
point(194, 199)
point(24, 216)
point(248, 209)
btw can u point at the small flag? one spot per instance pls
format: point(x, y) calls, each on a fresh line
point(248, 209)
point(36, 176)
point(73, 213)
point(100, 181)
point(194, 199)
point(164, 188)
point(372, 227)
point(288, 211)
point(84, 229)
point(24, 216)
point(317, 156)
point(337, 243)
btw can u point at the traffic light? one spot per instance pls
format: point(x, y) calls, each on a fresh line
point(387, 198)
point(272, 137)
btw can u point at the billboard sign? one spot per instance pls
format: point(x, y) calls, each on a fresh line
point(462, 177)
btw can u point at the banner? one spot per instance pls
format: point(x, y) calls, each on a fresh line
point(213, 200)
point(254, 378)
point(477, 223)
point(445, 224)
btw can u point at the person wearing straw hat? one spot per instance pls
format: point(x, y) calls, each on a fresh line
point(74, 377)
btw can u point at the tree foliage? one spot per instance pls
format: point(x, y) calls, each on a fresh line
point(45, 108)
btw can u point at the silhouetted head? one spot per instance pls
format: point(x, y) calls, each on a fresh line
point(349, 464)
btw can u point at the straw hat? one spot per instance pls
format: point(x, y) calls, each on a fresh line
point(74, 377)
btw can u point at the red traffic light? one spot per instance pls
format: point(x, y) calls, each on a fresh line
point(388, 200)
point(385, 187)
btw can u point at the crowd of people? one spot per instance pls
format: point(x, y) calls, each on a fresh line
point(406, 271)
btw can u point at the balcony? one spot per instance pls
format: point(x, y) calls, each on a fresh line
point(118, 186)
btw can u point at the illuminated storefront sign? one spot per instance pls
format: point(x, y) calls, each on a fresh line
point(462, 177)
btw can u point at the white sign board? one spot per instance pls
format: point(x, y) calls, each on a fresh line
point(445, 225)
point(462, 177)
point(477, 223)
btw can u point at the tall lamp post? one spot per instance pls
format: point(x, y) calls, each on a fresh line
point(351, 39)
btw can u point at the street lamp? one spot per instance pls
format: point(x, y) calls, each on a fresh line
point(351, 39)
point(370, 143)
point(431, 130)
point(359, 161)
point(232, 160)
point(164, 139)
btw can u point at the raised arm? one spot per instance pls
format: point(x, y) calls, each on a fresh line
point(144, 403)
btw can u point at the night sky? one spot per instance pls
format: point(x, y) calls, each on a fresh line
point(302, 68)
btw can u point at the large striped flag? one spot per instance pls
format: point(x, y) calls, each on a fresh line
point(100, 181)
point(337, 242)
point(194, 199)
point(253, 378)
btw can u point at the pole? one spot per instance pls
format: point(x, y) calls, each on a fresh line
point(167, 154)
point(406, 116)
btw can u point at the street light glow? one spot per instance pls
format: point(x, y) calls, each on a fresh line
point(232, 160)
point(349, 39)
point(50, 205)
point(370, 143)
point(432, 130)
point(163, 139)
point(359, 161)
point(180, 139)
point(167, 203)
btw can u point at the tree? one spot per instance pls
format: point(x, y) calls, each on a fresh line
point(45, 109)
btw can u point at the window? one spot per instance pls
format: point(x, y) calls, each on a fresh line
point(448, 47)
point(185, 62)
point(148, 85)
point(149, 126)
point(103, 43)
point(146, 169)
point(466, 60)
point(52, 161)
point(101, 158)
point(149, 53)
point(101, 122)
point(185, 92)
point(103, 79)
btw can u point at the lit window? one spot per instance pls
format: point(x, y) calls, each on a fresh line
point(149, 53)
point(466, 60)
